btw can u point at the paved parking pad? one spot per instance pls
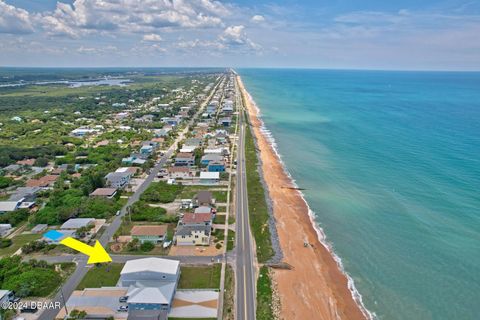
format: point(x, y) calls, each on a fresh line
point(195, 304)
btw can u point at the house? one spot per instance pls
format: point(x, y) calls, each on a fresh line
point(209, 178)
point(81, 132)
point(9, 206)
point(151, 283)
point(77, 223)
point(154, 234)
point(193, 235)
point(131, 170)
point(118, 179)
point(211, 157)
point(211, 109)
point(5, 229)
point(194, 142)
point(227, 109)
point(26, 162)
point(219, 151)
point(26, 194)
point(161, 133)
point(43, 182)
point(187, 149)
point(184, 159)
point(146, 150)
point(216, 166)
point(39, 228)
point(203, 198)
point(226, 122)
point(170, 121)
point(12, 168)
point(180, 172)
point(196, 218)
point(98, 303)
point(204, 210)
point(104, 193)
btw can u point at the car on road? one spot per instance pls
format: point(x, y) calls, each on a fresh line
point(123, 299)
point(123, 308)
point(117, 213)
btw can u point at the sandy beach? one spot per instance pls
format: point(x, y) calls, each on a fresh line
point(315, 288)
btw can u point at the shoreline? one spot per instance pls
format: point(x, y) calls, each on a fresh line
point(331, 293)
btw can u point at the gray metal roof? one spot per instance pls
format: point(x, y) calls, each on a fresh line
point(151, 292)
point(183, 230)
point(159, 265)
point(77, 223)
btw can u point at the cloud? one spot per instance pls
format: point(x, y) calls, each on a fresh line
point(236, 36)
point(14, 20)
point(140, 16)
point(257, 18)
point(152, 37)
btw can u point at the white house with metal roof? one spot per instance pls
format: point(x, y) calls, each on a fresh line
point(151, 283)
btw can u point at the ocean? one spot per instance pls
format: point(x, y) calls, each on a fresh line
point(390, 163)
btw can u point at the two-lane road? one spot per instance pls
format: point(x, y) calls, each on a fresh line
point(245, 271)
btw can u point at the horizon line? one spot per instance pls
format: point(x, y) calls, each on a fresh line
point(229, 67)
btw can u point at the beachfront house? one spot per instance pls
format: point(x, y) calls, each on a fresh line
point(193, 235)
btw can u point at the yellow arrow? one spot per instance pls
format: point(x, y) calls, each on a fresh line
point(97, 253)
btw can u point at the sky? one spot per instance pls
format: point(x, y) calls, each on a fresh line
point(333, 34)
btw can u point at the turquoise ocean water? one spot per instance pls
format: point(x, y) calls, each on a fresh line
point(391, 166)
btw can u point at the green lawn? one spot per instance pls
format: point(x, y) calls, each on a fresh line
point(231, 240)
point(257, 205)
point(18, 242)
point(221, 209)
point(219, 196)
point(219, 219)
point(104, 275)
point(205, 277)
point(264, 295)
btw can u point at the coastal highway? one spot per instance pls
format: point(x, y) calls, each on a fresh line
point(72, 282)
point(245, 272)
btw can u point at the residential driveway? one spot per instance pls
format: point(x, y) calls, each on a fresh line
point(194, 304)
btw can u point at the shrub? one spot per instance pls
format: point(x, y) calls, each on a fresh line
point(161, 192)
point(147, 246)
point(5, 243)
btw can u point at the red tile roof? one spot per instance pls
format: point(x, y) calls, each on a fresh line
point(149, 230)
point(190, 218)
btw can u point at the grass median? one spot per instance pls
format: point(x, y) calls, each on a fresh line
point(257, 205)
